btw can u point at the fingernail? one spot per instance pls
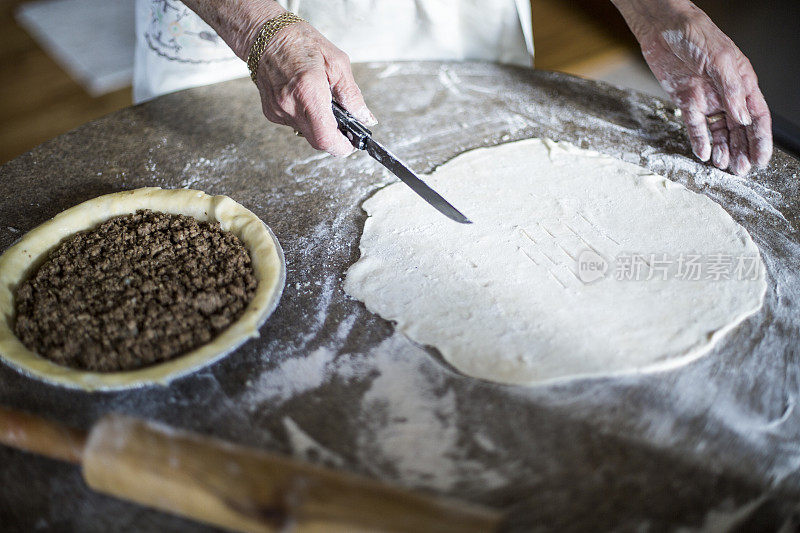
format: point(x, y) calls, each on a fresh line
point(742, 165)
point(340, 153)
point(342, 150)
point(702, 155)
point(744, 117)
point(764, 153)
point(716, 156)
point(366, 117)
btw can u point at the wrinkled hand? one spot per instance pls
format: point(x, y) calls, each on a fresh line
point(705, 74)
point(297, 75)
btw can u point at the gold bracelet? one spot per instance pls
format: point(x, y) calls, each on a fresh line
point(265, 35)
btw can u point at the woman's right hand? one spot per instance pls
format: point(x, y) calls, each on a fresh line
point(297, 76)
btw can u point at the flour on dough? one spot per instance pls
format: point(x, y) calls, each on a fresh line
point(576, 264)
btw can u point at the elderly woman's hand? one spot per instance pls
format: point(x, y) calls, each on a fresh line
point(705, 74)
point(298, 73)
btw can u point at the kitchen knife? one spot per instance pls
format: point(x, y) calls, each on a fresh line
point(361, 138)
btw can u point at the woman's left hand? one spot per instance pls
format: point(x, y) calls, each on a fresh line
point(708, 77)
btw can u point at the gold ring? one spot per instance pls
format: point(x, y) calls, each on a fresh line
point(715, 118)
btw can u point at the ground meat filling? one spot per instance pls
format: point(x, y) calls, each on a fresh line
point(138, 290)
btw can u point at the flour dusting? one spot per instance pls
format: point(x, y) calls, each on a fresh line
point(294, 376)
point(416, 433)
point(407, 418)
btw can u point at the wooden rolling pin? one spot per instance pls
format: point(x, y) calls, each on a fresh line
point(232, 486)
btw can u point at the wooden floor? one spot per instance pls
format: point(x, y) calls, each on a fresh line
point(38, 100)
point(579, 35)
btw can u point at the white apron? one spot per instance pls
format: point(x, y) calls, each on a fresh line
point(175, 49)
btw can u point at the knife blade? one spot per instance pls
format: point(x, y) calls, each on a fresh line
point(361, 138)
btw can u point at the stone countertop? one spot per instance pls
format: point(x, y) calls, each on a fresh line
point(328, 382)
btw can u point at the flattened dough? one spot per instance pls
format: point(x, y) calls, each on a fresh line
point(17, 262)
point(513, 298)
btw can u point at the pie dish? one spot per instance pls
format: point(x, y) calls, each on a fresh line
point(24, 257)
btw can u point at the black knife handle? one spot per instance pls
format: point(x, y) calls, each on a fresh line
point(355, 131)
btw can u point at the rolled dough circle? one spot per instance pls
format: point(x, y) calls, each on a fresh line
point(577, 264)
point(17, 263)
